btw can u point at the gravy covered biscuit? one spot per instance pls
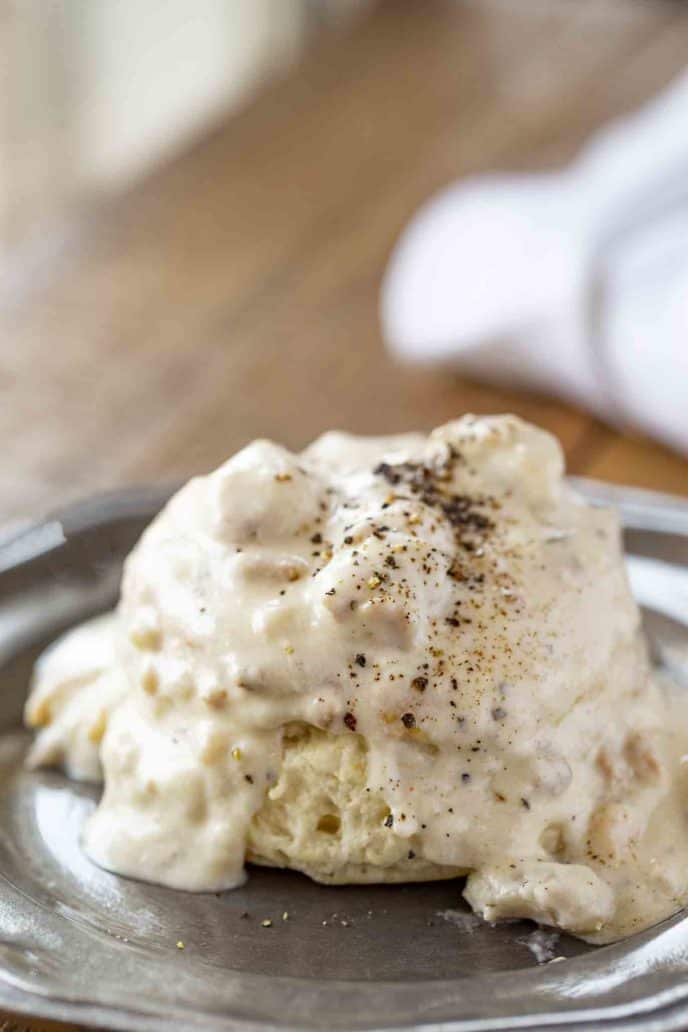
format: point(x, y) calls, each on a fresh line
point(390, 659)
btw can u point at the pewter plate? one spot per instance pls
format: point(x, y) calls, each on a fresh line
point(78, 944)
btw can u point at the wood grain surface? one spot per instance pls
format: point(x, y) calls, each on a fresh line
point(234, 293)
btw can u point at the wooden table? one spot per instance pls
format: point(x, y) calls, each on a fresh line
point(234, 293)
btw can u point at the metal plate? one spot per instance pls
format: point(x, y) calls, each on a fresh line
point(79, 944)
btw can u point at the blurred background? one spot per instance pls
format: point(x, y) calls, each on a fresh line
point(198, 201)
point(97, 92)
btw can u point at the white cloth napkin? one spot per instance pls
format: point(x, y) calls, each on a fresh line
point(574, 282)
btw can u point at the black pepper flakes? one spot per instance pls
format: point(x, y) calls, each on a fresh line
point(408, 720)
point(360, 659)
point(419, 684)
point(498, 713)
point(391, 475)
point(430, 484)
point(316, 539)
point(350, 721)
point(465, 777)
point(389, 820)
